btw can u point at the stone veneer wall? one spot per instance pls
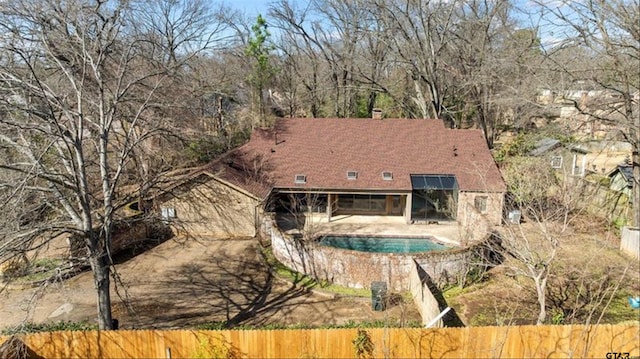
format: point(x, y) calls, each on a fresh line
point(358, 269)
point(477, 226)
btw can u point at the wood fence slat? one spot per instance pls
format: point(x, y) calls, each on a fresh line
point(472, 342)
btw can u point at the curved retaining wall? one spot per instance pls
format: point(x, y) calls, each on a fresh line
point(358, 269)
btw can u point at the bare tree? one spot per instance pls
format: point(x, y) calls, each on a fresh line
point(329, 46)
point(301, 79)
point(79, 90)
point(532, 249)
point(581, 294)
point(301, 212)
point(417, 35)
point(483, 54)
point(607, 35)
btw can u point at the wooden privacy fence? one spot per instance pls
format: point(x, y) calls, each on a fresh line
point(474, 342)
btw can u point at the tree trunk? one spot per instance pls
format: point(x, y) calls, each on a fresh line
point(101, 270)
point(541, 284)
point(636, 185)
point(261, 108)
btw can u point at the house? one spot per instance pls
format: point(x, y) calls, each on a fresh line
point(414, 170)
point(621, 180)
point(221, 199)
point(571, 160)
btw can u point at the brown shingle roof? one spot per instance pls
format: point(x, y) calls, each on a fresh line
point(325, 149)
point(242, 171)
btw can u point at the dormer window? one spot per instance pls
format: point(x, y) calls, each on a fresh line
point(300, 179)
point(351, 175)
point(387, 176)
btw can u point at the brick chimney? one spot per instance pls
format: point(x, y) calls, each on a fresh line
point(376, 114)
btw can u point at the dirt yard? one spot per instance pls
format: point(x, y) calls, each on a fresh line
point(589, 266)
point(183, 283)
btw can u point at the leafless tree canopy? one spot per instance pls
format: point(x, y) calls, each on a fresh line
point(98, 95)
point(82, 95)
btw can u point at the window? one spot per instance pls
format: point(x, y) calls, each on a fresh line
point(556, 162)
point(352, 175)
point(438, 182)
point(168, 213)
point(362, 203)
point(387, 176)
point(434, 197)
point(300, 179)
point(299, 203)
point(480, 202)
point(579, 165)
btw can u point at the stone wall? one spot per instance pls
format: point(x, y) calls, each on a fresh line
point(358, 269)
point(476, 225)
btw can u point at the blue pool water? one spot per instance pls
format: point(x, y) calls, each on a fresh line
point(382, 244)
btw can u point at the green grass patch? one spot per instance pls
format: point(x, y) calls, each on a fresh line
point(482, 319)
point(620, 310)
point(49, 327)
point(37, 270)
point(346, 325)
point(306, 281)
point(453, 292)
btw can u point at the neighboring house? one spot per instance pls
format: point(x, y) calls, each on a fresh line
point(621, 180)
point(412, 169)
point(570, 161)
point(560, 108)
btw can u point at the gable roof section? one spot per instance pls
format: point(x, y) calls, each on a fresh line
point(324, 150)
point(548, 144)
point(626, 171)
point(247, 173)
point(544, 145)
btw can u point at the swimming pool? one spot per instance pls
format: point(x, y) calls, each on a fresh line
point(382, 244)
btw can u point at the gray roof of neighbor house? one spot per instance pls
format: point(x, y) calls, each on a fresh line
point(324, 150)
point(544, 145)
point(626, 171)
point(548, 144)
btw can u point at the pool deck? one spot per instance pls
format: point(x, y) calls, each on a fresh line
point(377, 225)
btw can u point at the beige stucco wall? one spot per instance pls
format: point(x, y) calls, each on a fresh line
point(477, 224)
point(213, 208)
point(424, 299)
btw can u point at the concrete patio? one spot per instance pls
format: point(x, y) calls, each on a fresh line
point(317, 224)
